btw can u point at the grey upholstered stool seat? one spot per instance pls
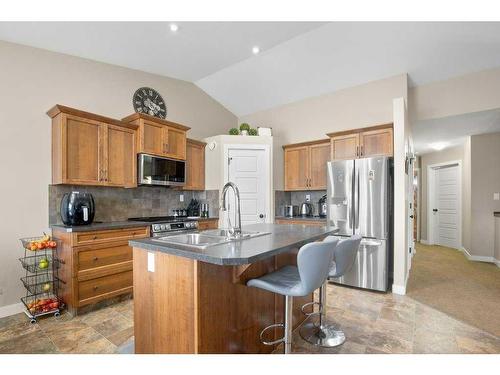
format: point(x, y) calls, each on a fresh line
point(321, 334)
point(313, 265)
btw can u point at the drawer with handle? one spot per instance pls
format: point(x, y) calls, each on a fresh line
point(91, 291)
point(104, 255)
point(84, 238)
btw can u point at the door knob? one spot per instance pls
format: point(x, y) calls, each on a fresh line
point(262, 216)
point(411, 216)
point(435, 210)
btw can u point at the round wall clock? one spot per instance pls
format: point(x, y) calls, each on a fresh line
point(149, 101)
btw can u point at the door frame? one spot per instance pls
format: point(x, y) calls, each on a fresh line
point(431, 178)
point(269, 165)
point(419, 208)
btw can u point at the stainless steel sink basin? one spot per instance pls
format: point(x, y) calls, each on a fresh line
point(226, 233)
point(202, 240)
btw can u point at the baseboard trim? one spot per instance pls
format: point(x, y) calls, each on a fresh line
point(13, 309)
point(399, 289)
point(478, 258)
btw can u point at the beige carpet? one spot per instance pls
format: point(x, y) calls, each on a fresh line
point(469, 291)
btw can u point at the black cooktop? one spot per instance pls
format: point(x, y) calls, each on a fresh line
point(152, 219)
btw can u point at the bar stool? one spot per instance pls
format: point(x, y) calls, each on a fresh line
point(322, 334)
point(313, 264)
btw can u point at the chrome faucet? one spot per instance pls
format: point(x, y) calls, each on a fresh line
point(236, 229)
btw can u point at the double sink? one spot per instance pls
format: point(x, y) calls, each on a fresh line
point(202, 240)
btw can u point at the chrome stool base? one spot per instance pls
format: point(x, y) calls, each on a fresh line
point(325, 336)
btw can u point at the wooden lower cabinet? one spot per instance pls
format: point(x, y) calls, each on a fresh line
point(96, 265)
point(212, 223)
point(302, 222)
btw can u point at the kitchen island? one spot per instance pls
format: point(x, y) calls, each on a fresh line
point(189, 300)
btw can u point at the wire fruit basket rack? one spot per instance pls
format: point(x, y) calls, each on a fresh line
point(41, 280)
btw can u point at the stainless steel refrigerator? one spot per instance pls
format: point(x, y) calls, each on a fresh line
point(360, 202)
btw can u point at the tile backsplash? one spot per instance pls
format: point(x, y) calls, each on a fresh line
point(296, 198)
point(116, 204)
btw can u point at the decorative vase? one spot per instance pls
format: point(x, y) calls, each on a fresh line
point(244, 132)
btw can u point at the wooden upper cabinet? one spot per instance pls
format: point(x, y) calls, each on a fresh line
point(195, 165)
point(362, 143)
point(84, 152)
point(159, 137)
point(89, 149)
point(121, 168)
point(152, 138)
point(305, 165)
point(376, 143)
point(319, 156)
point(296, 168)
point(345, 147)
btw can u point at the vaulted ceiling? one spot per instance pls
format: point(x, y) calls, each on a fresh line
point(297, 59)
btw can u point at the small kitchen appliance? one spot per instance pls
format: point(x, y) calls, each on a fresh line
point(77, 208)
point(159, 171)
point(322, 206)
point(290, 211)
point(306, 209)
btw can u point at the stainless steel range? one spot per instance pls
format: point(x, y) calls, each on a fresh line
point(162, 226)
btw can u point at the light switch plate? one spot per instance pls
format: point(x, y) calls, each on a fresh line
point(496, 196)
point(308, 197)
point(151, 262)
point(181, 197)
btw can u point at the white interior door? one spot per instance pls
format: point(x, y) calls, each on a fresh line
point(248, 169)
point(446, 208)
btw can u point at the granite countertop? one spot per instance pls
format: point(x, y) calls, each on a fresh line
point(496, 213)
point(281, 238)
point(112, 225)
point(305, 218)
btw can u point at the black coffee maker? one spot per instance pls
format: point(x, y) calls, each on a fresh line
point(77, 208)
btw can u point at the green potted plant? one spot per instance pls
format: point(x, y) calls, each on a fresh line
point(234, 131)
point(252, 131)
point(244, 128)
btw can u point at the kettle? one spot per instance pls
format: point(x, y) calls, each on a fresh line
point(306, 209)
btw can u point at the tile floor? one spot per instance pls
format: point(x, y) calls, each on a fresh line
point(372, 322)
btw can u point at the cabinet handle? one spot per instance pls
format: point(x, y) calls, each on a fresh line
point(357, 150)
point(167, 148)
point(95, 238)
point(361, 150)
point(95, 259)
point(96, 287)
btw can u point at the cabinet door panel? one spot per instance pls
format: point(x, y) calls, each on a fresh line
point(376, 143)
point(175, 143)
point(82, 151)
point(121, 157)
point(345, 147)
point(320, 155)
point(152, 138)
point(296, 168)
point(195, 167)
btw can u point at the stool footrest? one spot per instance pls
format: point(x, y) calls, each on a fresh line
point(281, 325)
point(311, 304)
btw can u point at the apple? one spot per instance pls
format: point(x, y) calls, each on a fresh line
point(46, 287)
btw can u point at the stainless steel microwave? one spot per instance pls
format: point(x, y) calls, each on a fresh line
point(156, 170)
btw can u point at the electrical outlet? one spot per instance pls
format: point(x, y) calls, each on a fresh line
point(308, 197)
point(181, 197)
point(496, 196)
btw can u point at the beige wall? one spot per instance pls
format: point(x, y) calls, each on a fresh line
point(310, 119)
point(449, 154)
point(469, 93)
point(485, 180)
point(32, 81)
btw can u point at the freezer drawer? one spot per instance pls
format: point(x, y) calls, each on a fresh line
point(370, 270)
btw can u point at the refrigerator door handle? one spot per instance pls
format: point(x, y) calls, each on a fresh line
point(356, 199)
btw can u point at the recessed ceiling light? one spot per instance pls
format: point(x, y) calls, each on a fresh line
point(174, 27)
point(255, 50)
point(439, 145)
